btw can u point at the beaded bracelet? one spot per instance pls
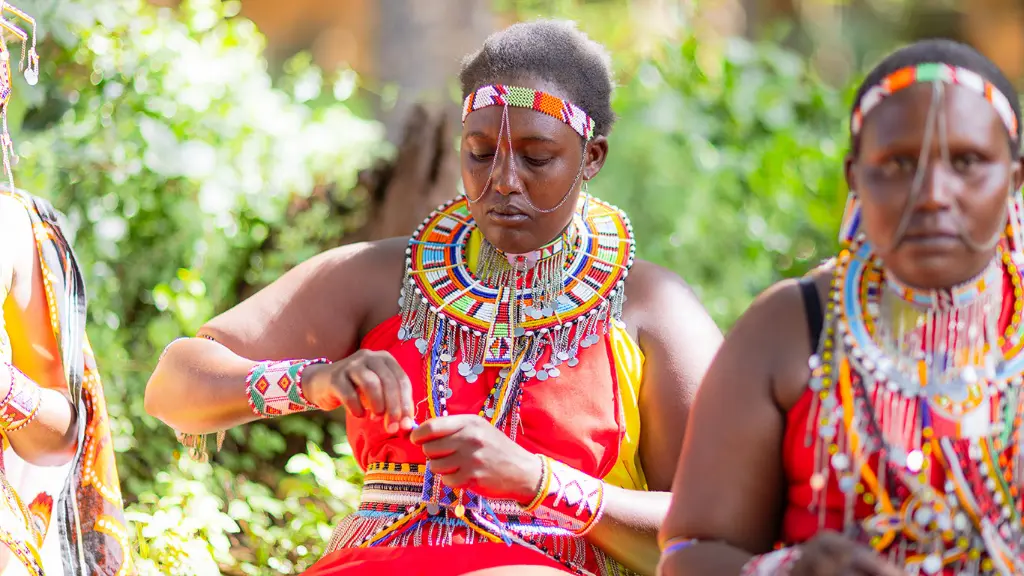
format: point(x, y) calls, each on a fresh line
point(274, 388)
point(567, 497)
point(777, 563)
point(22, 402)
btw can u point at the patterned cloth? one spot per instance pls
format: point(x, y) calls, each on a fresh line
point(72, 515)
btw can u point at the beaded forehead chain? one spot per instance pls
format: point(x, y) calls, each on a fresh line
point(505, 96)
point(29, 64)
point(939, 74)
point(502, 95)
point(934, 72)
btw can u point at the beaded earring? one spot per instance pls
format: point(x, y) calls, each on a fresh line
point(850, 226)
point(31, 71)
point(1014, 228)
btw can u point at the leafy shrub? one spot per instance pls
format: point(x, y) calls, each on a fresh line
point(179, 163)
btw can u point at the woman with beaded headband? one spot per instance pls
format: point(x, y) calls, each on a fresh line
point(60, 499)
point(896, 448)
point(513, 408)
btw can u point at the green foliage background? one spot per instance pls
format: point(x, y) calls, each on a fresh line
point(180, 164)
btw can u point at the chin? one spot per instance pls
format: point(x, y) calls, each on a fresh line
point(511, 241)
point(937, 271)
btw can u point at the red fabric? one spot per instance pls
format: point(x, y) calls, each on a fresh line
point(799, 522)
point(573, 418)
point(454, 560)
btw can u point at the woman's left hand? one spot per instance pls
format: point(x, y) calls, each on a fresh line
point(474, 455)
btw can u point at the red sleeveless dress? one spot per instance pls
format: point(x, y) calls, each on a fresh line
point(574, 418)
point(808, 511)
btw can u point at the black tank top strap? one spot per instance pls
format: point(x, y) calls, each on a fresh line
point(812, 310)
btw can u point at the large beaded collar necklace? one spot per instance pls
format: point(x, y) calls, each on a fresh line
point(908, 384)
point(528, 315)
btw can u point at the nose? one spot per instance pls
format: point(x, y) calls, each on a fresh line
point(505, 177)
point(938, 186)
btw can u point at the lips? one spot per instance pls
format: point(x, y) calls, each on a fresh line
point(507, 214)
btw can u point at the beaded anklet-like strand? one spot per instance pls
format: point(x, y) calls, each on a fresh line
point(274, 388)
point(568, 498)
point(22, 402)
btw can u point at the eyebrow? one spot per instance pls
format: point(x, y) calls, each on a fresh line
point(532, 137)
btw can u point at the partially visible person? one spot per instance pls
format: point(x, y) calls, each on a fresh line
point(867, 418)
point(510, 405)
point(60, 499)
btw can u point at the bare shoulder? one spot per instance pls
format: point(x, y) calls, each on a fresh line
point(17, 237)
point(775, 332)
point(653, 293)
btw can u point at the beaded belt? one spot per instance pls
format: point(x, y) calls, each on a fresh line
point(390, 487)
point(407, 505)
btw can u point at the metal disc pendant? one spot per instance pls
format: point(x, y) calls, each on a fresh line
point(421, 345)
point(471, 378)
point(529, 373)
point(519, 331)
point(563, 356)
point(31, 76)
point(542, 375)
point(478, 369)
point(448, 393)
point(932, 564)
point(554, 372)
point(464, 369)
point(573, 362)
point(445, 357)
point(433, 508)
point(489, 412)
point(402, 333)
point(526, 366)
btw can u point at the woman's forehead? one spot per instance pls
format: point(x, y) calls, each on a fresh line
point(904, 115)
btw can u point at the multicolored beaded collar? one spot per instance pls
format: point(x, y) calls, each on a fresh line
point(933, 72)
point(444, 300)
point(502, 95)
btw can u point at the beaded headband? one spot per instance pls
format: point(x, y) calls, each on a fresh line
point(501, 95)
point(934, 72)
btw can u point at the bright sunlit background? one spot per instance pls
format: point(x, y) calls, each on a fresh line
point(200, 149)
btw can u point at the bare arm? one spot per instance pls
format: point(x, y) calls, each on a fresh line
point(49, 439)
point(737, 427)
point(678, 340)
point(318, 309)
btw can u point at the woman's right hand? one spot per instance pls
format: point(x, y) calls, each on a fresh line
point(832, 554)
point(368, 382)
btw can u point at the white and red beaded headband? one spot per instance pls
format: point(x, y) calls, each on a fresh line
point(502, 95)
point(934, 72)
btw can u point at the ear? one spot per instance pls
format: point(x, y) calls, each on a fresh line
point(597, 153)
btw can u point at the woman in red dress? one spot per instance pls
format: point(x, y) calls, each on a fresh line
point(896, 448)
point(511, 407)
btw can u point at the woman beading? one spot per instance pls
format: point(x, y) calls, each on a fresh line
point(896, 449)
point(513, 408)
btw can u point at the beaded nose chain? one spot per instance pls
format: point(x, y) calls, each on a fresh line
point(30, 57)
point(505, 96)
point(938, 119)
point(940, 74)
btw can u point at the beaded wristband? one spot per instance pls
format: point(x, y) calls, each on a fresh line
point(22, 402)
point(274, 388)
point(777, 563)
point(568, 498)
